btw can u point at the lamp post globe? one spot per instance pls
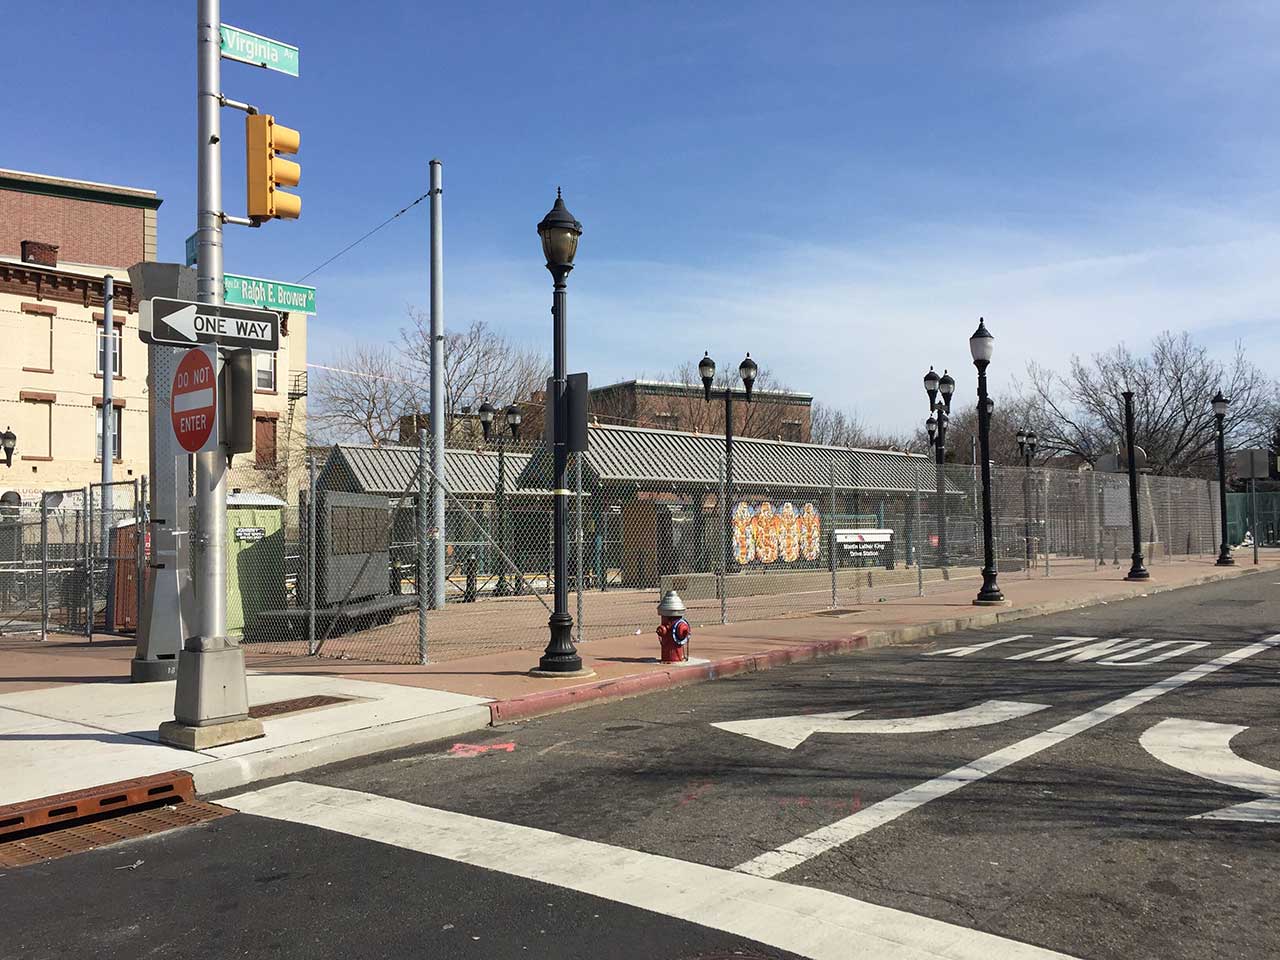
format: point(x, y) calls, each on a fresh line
point(513, 417)
point(931, 381)
point(559, 231)
point(707, 371)
point(747, 370)
point(8, 440)
point(485, 413)
point(931, 425)
point(1220, 404)
point(946, 387)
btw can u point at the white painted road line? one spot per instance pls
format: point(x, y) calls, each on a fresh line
point(975, 647)
point(826, 838)
point(1204, 749)
point(790, 732)
point(804, 920)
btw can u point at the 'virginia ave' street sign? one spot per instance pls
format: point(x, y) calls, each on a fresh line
point(181, 323)
point(268, 294)
point(253, 48)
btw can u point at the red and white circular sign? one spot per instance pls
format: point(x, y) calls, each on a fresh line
point(194, 401)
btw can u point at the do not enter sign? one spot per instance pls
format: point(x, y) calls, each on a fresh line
point(194, 401)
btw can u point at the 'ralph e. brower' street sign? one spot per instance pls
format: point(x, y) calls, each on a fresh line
point(181, 323)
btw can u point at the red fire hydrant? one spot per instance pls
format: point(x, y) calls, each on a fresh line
point(674, 631)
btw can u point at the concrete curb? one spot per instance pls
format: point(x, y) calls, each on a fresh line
point(228, 773)
point(570, 698)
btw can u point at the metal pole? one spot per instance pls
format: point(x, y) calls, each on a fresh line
point(940, 453)
point(44, 568)
point(915, 508)
point(140, 547)
point(437, 389)
point(1136, 569)
point(832, 538)
point(990, 592)
point(561, 656)
point(1224, 550)
point(577, 573)
point(728, 474)
point(424, 536)
point(313, 558)
point(1026, 505)
point(500, 587)
point(1044, 512)
point(88, 562)
point(107, 412)
point(724, 535)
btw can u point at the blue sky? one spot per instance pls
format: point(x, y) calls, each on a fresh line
point(841, 189)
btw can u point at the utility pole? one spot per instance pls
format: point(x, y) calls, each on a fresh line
point(211, 705)
point(437, 390)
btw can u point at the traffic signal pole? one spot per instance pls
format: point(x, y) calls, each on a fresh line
point(211, 701)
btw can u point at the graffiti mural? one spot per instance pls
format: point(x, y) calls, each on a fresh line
point(770, 534)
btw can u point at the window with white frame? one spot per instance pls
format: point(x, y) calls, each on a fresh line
point(116, 355)
point(117, 422)
point(264, 365)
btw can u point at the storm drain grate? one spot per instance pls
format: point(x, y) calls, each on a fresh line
point(296, 705)
point(78, 838)
point(835, 613)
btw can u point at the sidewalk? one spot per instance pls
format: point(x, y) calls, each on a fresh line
point(69, 718)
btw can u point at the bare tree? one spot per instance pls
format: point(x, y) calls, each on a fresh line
point(479, 364)
point(839, 428)
point(362, 396)
point(1080, 413)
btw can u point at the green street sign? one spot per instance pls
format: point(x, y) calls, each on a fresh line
point(258, 50)
point(267, 294)
point(191, 250)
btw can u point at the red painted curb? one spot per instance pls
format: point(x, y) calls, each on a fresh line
point(567, 698)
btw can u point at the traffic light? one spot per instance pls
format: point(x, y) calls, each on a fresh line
point(267, 172)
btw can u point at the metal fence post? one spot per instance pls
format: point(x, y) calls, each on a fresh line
point(1044, 512)
point(141, 525)
point(44, 568)
point(424, 502)
point(724, 548)
point(312, 562)
point(88, 562)
point(915, 509)
point(831, 550)
point(577, 573)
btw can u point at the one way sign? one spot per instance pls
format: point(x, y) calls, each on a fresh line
point(181, 323)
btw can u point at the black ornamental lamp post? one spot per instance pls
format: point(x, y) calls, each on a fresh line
point(1220, 405)
point(1027, 440)
point(1137, 568)
point(559, 232)
point(8, 440)
point(936, 425)
point(747, 371)
point(980, 348)
point(513, 417)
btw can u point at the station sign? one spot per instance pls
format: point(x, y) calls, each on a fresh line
point(863, 542)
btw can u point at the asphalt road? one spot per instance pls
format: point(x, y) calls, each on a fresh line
point(1060, 816)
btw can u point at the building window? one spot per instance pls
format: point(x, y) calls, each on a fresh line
point(667, 421)
point(36, 436)
point(264, 443)
point(117, 423)
point(264, 365)
point(39, 344)
point(116, 368)
point(791, 430)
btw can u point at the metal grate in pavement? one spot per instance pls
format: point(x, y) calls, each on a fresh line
point(835, 613)
point(78, 838)
point(296, 705)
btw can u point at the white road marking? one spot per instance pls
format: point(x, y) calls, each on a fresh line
point(1204, 749)
point(975, 647)
point(1065, 642)
point(804, 920)
point(790, 732)
point(842, 831)
point(1130, 657)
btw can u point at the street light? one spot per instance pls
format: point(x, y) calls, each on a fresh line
point(8, 440)
point(1137, 569)
point(936, 425)
point(511, 415)
point(747, 371)
point(1220, 405)
point(1027, 450)
point(981, 346)
point(559, 232)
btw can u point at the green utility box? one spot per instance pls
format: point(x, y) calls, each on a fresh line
point(255, 558)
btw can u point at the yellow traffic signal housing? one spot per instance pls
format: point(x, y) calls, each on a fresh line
point(267, 172)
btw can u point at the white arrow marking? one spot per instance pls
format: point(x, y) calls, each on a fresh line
point(184, 322)
point(1204, 749)
point(975, 647)
point(790, 732)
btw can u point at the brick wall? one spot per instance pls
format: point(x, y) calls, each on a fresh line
point(85, 232)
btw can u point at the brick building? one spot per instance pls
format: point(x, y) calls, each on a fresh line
point(771, 415)
point(59, 238)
